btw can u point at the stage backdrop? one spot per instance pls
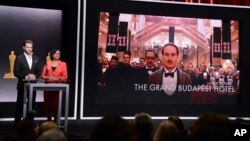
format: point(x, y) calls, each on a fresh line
point(42, 26)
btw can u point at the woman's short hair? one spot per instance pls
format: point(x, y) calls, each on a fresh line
point(52, 52)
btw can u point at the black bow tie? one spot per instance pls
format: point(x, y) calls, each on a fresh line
point(169, 74)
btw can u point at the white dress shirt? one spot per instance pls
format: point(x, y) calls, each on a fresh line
point(29, 59)
point(169, 83)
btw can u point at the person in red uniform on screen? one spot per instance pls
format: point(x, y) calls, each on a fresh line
point(54, 71)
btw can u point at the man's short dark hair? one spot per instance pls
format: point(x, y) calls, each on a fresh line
point(144, 126)
point(111, 128)
point(149, 50)
point(27, 41)
point(170, 44)
point(127, 52)
point(114, 58)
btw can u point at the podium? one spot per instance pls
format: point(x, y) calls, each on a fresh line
point(48, 87)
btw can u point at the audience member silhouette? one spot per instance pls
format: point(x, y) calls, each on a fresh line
point(54, 134)
point(144, 127)
point(166, 131)
point(210, 126)
point(179, 124)
point(45, 126)
point(25, 130)
point(111, 128)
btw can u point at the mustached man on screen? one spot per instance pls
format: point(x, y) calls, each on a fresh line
point(168, 80)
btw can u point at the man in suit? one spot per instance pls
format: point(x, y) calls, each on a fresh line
point(144, 72)
point(142, 75)
point(205, 74)
point(150, 62)
point(197, 78)
point(169, 83)
point(125, 78)
point(190, 69)
point(27, 68)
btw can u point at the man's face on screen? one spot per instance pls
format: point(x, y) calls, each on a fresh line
point(197, 71)
point(221, 72)
point(190, 68)
point(113, 63)
point(169, 57)
point(150, 59)
point(126, 59)
point(142, 62)
point(104, 61)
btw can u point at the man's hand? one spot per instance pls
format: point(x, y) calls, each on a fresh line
point(30, 77)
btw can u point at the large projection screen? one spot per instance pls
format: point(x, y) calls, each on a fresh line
point(150, 25)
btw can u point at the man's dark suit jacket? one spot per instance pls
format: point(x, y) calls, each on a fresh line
point(142, 75)
point(179, 97)
point(21, 69)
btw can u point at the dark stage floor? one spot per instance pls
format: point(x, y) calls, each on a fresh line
point(78, 130)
